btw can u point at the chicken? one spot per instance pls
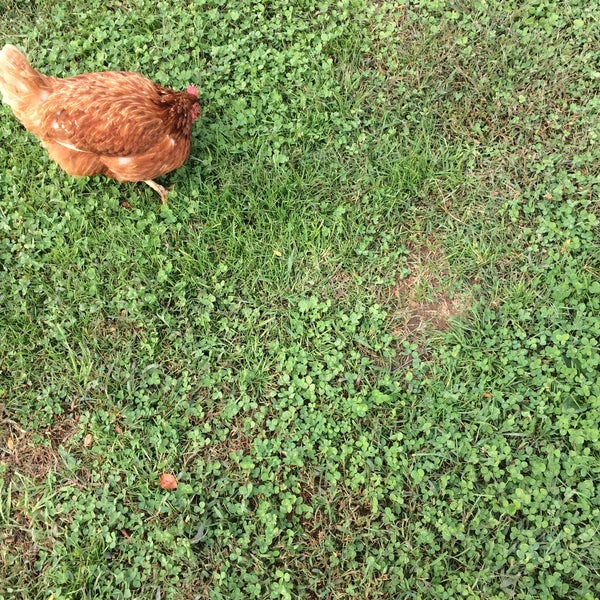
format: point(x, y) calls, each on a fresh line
point(114, 123)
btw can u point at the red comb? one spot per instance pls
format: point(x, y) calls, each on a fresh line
point(193, 90)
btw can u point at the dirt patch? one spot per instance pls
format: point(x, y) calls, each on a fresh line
point(34, 461)
point(26, 458)
point(33, 454)
point(431, 315)
point(422, 302)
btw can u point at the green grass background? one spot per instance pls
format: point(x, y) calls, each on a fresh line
point(363, 334)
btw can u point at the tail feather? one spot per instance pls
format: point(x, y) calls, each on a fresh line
point(20, 84)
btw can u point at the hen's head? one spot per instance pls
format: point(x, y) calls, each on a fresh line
point(192, 90)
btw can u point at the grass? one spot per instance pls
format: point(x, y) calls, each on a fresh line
point(363, 335)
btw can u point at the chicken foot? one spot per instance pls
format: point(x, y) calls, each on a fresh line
point(162, 191)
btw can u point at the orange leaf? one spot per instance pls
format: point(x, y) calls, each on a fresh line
point(168, 482)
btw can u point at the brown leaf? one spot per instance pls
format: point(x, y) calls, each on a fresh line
point(168, 482)
point(88, 440)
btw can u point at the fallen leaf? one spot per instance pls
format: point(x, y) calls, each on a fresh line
point(10, 444)
point(88, 440)
point(118, 429)
point(168, 482)
point(126, 205)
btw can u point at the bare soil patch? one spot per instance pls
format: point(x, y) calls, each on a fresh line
point(422, 302)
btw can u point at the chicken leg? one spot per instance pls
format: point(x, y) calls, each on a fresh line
point(162, 191)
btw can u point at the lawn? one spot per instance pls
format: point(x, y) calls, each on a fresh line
point(363, 335)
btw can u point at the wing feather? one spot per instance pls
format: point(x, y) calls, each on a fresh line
point(111, 114)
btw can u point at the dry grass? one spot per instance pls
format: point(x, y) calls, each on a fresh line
point(28, 455)
point(422, 301)
point(27, 459)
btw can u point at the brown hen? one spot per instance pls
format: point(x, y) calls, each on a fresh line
point(113, 123)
